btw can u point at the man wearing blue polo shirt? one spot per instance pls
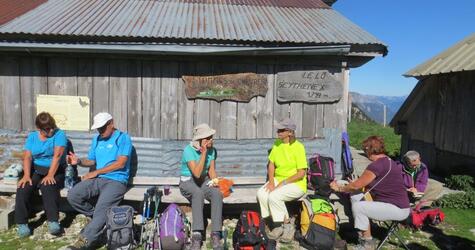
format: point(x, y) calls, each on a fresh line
point(110, 153)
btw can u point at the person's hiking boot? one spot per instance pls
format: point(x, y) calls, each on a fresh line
point(216, 241)
point(196, 241)
point(54, 228)
point(23, 230)
point(275, 233)
point(80, 244)
point(288, 233)
point(366, 244)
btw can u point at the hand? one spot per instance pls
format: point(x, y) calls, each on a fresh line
point(90, 175)
point(334, 186)
point(72, 159)
point(48, 180)
point(24, 181)
point(413, 189)
point(270, 186)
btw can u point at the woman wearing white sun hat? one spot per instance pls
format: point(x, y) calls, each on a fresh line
point(198, 169)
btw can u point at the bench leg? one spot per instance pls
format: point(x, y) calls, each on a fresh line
point(6, 218)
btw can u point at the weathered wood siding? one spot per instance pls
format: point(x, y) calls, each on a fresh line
point(147, 99)
point(443, 119)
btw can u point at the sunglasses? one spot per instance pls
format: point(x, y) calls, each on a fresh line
point(103, 128)
point(282, 130)
point(46, 130)
point(209, 138)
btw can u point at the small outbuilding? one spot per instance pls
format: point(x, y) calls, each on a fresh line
point(438, 117)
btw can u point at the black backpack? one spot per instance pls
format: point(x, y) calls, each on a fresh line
point(119, 227)
point(250, 232)
point(320, 173)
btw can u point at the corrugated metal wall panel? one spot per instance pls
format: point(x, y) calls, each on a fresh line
point(161, 158)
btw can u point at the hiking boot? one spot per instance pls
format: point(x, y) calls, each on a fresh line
point(216, 241)
point(366, 244)
point(54, 228)
point(23, 230)
point(196, 241)
point(80, 244)
point(288, 233)
point(276, 233)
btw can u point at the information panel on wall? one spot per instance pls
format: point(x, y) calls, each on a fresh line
point(315, 86)
point(69, 112)
point(236, 87)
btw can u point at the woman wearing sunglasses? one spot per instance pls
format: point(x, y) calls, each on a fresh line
point(287, 182)
point(44, 161)
point(197, 171)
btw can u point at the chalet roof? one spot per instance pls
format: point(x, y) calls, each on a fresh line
point(460, 57)
point(247, 22)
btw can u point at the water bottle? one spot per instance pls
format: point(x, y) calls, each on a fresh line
point(69, 177)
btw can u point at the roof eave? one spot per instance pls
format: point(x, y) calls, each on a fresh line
point(173, 49)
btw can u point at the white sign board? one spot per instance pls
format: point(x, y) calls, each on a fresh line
point(314, 86)
point(69, 112)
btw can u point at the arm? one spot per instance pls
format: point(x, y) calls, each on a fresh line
point(296, 177)
point(366, 178)
point(212, 170)
point(197, 168)
point(118, 164)
point(270, 176)
point(83, 162)
point(26, 169)
point(49, 178)
point(421, 180)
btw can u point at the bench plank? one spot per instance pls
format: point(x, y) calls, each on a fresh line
point(173, 181)
point(241, 194)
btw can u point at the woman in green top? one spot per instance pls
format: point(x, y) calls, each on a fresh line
point(287, 182)
point(198, 182)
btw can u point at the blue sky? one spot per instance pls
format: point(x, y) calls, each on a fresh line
point(414, 30)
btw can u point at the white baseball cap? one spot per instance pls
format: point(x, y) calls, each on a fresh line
point(100, 120)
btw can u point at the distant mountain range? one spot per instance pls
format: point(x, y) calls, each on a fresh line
point(373, 106)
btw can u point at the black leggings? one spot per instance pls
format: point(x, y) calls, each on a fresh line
point(49, 193)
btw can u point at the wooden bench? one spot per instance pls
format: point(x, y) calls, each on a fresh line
point(244, 189)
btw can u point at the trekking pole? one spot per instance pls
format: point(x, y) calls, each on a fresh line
point(156, 230)
point(142, 231)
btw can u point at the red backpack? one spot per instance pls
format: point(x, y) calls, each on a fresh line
point(250, 232)
point(423, 216)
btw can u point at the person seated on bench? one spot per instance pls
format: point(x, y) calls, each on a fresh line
point(110, 153)
point(198, 182)
point(45, 150)
point(286, 181)
point(416, 179)
point(382, 179)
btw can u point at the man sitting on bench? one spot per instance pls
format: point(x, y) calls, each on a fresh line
point(416, 180)
point(110, 153)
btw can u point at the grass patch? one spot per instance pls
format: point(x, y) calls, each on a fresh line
point(463, 220)
point(360, 130)
point(453, 233)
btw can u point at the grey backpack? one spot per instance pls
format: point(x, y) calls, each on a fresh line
point(119, 227)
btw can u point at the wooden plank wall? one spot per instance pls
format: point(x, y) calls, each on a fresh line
point(443, 116)
point(147, 98)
